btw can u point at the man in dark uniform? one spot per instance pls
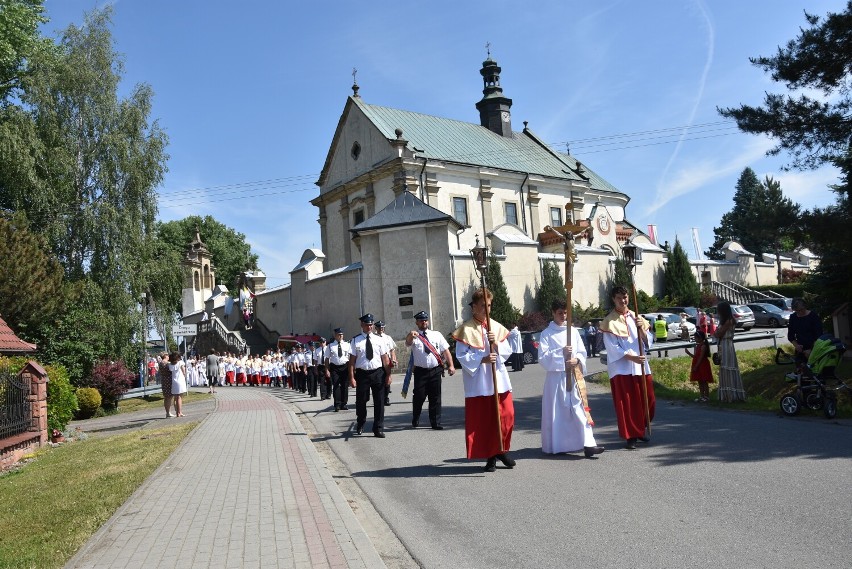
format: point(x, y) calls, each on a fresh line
point(322, 378)
point(429, 350)
point(310, 352)
point(366, 364)
point(337, 360)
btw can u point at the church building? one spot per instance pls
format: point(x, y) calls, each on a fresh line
point(404, 197)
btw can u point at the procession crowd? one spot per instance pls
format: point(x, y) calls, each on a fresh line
point(483, 347)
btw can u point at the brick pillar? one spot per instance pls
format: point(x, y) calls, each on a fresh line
point(37, 377)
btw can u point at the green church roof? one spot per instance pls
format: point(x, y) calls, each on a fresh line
point(462, 142)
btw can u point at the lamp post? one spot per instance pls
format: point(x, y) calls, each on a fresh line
point(630, 253)
point(480, 262)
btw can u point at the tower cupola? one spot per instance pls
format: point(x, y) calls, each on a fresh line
point(494, 109)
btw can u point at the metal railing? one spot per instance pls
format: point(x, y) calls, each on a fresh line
point(735, 293)
point(15, 413)
point(230, 338)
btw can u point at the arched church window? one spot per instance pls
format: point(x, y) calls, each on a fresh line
point(207, 277)
point(196, 280)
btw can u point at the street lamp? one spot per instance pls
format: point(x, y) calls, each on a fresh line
point(630, 254)
point(480, 258)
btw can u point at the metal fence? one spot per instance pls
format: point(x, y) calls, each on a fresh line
point(15, 414)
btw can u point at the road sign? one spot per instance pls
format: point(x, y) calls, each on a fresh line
point(184, 330)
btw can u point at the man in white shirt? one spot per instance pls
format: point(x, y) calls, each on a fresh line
point(337, 359)
point(429, 350)
point(366, 364)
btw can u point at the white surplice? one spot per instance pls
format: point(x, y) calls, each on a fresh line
point(563, 420)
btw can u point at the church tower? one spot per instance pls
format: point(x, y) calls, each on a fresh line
point(494, 108)
point(199, 276)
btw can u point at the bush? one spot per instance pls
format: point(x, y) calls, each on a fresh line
point(112, 380)
point(88, 402)
point(533, 321)
point(61, 401)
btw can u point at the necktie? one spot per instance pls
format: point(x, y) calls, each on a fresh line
point(339, 350)
point(369, 348)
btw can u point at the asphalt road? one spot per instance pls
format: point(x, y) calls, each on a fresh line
point(714, 487)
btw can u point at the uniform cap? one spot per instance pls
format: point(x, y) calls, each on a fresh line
point(338, 330)
point(367, 318)
point(422, 315)
point(380, 324)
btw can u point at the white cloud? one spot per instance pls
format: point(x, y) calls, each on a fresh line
point(698, 174)
point(808, 188)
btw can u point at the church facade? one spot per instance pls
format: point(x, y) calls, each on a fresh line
point(404, 197)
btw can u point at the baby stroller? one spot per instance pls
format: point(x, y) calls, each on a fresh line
point(812, 378)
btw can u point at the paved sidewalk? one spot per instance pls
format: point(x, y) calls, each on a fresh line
point(245, 489)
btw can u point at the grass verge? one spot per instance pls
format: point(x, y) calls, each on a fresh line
point(153, 401)
point(52, 505)
point(763, 380)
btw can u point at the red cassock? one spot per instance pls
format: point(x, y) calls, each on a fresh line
point(629, 404)
point(480, 425)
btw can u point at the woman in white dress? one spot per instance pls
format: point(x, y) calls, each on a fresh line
point(730, 381)
point(178, 369)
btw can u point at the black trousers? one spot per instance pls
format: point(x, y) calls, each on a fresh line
point(324, 383)
point(302, 381)
point(312, 381)
point(339, 384)
point(427, 384)
point(365, 382)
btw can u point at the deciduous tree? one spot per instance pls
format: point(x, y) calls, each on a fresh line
point(83, 164)
point(229, 248)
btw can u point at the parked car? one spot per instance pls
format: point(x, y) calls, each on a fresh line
point(691, 311)
point(769, 315)
point(529, 341)
point(744, 316)
point(782, 303)
point(672, 325)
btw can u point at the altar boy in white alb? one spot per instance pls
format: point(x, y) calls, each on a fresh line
point(565, 426)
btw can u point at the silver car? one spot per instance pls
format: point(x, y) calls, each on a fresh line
point(769, 315)
point(743, 316)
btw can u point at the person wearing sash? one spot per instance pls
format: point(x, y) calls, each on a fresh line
point(368, 368)
point(427, 348)
point(623, 331)
point(473, 351)
point(564, 424)
point(337, 359)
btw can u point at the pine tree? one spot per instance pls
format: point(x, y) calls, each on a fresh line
point(681, 286)
point(501, 307)
point(738, 224)
point(811, 123)
point(552, 287)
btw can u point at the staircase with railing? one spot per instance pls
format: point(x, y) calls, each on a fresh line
point(214, 335)
point(737, 293)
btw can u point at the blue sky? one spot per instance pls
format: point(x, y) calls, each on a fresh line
point(250, 94)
